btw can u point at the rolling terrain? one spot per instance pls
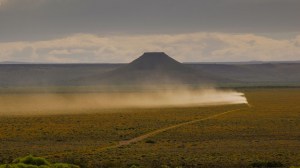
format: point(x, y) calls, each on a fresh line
point(151, 68)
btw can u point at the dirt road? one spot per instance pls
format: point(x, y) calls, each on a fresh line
point(145, 136)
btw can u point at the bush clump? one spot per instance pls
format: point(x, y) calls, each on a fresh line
point(30, 160)
point(150, 141)
point(266, 164)
point(35, 162)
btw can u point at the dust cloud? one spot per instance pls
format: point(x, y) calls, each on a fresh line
point(69, 103)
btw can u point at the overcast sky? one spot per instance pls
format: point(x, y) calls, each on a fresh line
point(121, 30)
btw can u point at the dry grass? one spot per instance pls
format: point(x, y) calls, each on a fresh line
point(268, 131)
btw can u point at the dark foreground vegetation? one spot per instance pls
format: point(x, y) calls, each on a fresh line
point(35, 162)
point(263, 135)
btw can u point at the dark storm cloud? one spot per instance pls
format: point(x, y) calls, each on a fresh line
point(50, 19)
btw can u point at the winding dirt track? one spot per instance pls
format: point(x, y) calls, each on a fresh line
point(153, 133)
point(145, 136)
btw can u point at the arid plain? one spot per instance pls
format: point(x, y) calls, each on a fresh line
point(265, 131)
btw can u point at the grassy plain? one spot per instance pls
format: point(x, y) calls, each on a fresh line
point(268, 131)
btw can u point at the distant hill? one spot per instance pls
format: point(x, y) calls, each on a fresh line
point(151, 68)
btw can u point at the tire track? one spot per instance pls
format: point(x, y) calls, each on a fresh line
point(145, 136)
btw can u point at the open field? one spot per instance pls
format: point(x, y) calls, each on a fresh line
point(266, 131)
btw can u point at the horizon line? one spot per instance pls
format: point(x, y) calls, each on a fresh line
point(196, 62)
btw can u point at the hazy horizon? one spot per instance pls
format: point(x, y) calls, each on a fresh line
point(204, 62)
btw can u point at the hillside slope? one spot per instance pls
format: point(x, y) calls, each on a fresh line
point(153, 68)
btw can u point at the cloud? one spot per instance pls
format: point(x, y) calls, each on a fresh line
point(184, 47)
point(44, 19)
point(11, 9)
point(2, 2)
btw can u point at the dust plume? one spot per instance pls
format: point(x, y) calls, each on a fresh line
point(66, 103)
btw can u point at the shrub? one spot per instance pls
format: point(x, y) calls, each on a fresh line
point(63, 165)
point(150, 141)
point(30, 160)
point(35, 162)
point(266, 164)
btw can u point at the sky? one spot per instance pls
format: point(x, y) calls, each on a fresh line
point(117, 31)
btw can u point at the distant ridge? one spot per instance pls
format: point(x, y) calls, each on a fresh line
point(246, 62)
point(103, 63)
point(151, 68)
point(154, 68)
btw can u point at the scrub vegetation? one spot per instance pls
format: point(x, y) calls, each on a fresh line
point(264, 134)
point(36, 162)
